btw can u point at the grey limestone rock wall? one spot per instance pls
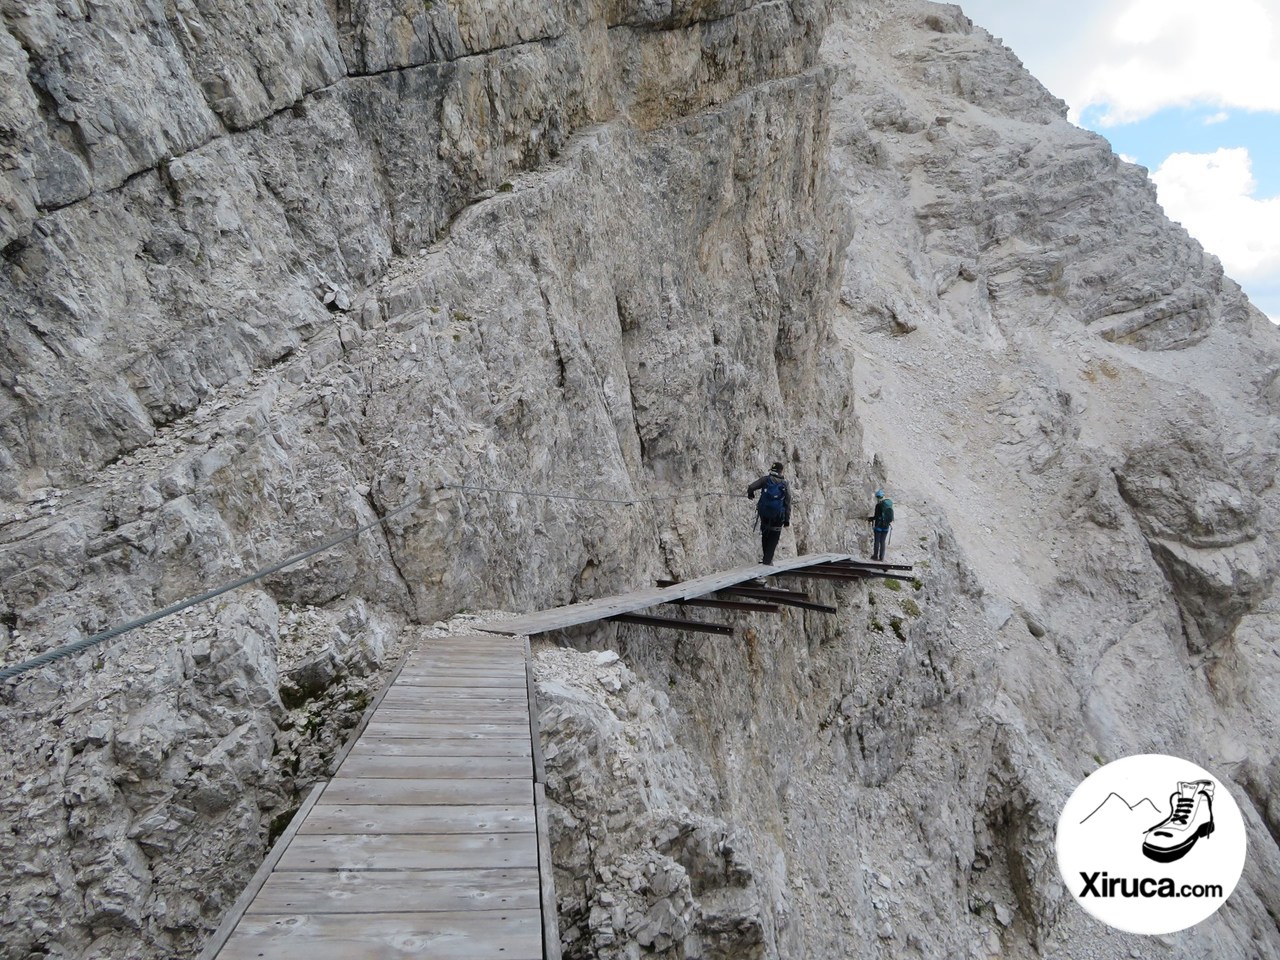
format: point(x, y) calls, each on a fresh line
point(275, 271)
point(311, 265)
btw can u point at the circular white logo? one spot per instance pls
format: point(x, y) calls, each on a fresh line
point(1151, 844)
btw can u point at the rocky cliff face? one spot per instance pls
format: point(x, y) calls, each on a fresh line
point(354, 254)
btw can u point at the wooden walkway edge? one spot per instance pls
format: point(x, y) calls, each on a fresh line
point(426, 842)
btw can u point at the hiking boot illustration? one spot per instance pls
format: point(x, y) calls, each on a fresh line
point(1190, 818)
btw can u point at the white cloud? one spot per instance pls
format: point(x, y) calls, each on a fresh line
point(1212, 195)
point(1220, 117)
point(1154, 54)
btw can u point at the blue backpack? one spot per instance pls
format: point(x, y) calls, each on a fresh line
point(773, 501)
point(884, 514)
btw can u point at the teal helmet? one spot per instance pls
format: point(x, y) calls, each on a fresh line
point(879, 494)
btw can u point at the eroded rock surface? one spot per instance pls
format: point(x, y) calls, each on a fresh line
point(378, 255)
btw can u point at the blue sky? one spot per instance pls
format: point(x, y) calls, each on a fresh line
point(1200, 129)
point(1187, 89)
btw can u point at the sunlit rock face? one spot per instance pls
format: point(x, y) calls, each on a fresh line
point(276, 272)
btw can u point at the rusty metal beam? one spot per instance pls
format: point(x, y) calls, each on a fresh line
point(788, 599)
point(672, 623)
point(882, 574)
point(760, 592)
point(729, 605)
point(749, 585)
point(865, 565)
point(815, 574)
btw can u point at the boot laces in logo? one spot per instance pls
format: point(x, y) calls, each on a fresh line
point(1144, 864)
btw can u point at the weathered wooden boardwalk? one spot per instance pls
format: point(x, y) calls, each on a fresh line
point(426, 841)
point(431, 839)
point(578, 613)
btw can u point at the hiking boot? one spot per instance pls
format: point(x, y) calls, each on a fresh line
point(1190, 818)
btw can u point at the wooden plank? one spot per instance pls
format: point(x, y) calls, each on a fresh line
point(509, 934)
point(504, 656)
point(546, 879)
point(475, 639)
point(450, 731)
point(422, 655)
point(456, 851)
point(499, 649)
point(368, 818)
point(454, 714)
point(414, 792)
point(439, 747)
point(498, 709)
point(232, 918)
point(402, 695)
point(423, 768)
point(502, 668)
point(474, 705)
point(501, 671)
point(362, 891)
point(430, 695)
point(469, 683)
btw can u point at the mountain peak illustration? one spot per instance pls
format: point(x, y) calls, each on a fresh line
point(1114, 802)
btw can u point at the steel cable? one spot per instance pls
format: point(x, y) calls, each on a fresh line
point(78, 646)
point(85, 643)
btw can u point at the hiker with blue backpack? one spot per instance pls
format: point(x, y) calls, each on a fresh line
point(882, 523)
point(774, 509)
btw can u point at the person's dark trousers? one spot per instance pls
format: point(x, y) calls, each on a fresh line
point(877, 552)
point(769, 543)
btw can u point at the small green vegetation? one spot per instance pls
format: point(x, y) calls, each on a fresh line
point(278, 825)
point(892, 584)
point(461, 317)
point(896, 624)
point(876, 625)
point(358, 700)
point(505, 188)
point(871, 598)
point(1098, 760)
point(910, 607)
point(918, 584)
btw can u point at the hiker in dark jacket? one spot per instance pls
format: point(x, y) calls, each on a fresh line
point(774, 509)
point(881, 521)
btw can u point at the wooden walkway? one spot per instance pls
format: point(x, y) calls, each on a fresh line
point(426, 842)
point(579, 613)
point(431, 839)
